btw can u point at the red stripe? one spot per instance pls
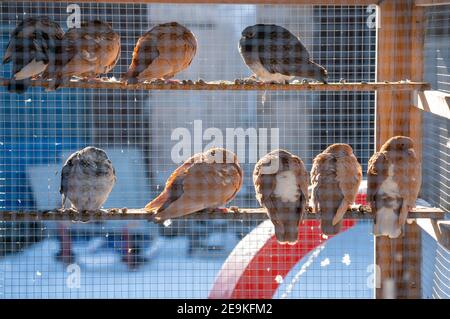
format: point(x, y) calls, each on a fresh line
point(258, 279)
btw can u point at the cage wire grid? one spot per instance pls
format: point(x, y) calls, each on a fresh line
point(132, 259)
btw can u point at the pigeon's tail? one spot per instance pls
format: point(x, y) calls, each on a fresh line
point(327, 223)
point(319, 72)
point(329, 204)
point(287, 215)
point(156, 204)
point(18, 86)
point(387, 215)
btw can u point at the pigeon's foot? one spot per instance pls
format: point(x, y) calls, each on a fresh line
point(251, 80)
point(158, 81)
point(66, 257)
point(222, 210)
point(234, 209)
point(172, 81)
point(94, 80)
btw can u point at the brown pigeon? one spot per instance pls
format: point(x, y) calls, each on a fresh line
point(281, 185)
point(162, 52)
point(85, 52)
point(393, 184)
point(335, 178)
point(31, 48)
point(206, 180)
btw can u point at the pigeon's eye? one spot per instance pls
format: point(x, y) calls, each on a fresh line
point(250, 34)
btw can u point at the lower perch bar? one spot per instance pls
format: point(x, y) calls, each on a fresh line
point(233, 213)
point(237, 85)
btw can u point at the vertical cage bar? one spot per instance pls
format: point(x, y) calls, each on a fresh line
point(399, 57)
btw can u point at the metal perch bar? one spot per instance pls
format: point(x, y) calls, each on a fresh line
point(238, 85)
point(233, 213)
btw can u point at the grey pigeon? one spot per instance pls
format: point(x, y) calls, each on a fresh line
point(31, 49)
point(274, 54)
point(87, 178)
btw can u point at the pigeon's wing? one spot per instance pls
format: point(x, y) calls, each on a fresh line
point(9, 51)
point(326, 196)
point(17, 37)
point(68, 49)
point(264, 186)
point(48, 38)
point(408, 181)
point(349, 175)
point(77, 52)
point(23, 50)
point(144, 54)
point(283, 53)
point(213, 184)
point(190, 46)
point(64, 178)
point(377, 172)
point(177, 50)
point(172, 191)
point(85, 46)
point(117, 55)
point(301, 176)
point(409, 187)
point(318, 162)
point(65, 173)
point(195, 187)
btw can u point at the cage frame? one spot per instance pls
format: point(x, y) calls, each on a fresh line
point(399, 104)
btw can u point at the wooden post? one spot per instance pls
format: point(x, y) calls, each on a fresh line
point(400, 57)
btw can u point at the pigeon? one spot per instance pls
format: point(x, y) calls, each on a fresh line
point(335, 178)
point(206, 180)
point(275, 55)
point(281, 185)
point(87, 178)
point(85, 52)
point(31, 49)
point(162, 52)
point(393, 184)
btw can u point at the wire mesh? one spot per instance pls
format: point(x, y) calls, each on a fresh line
point(436, 141)
point(435, 269)
point(44, 128)
point(436, 186)
point(184, 258)
point(437, 48)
